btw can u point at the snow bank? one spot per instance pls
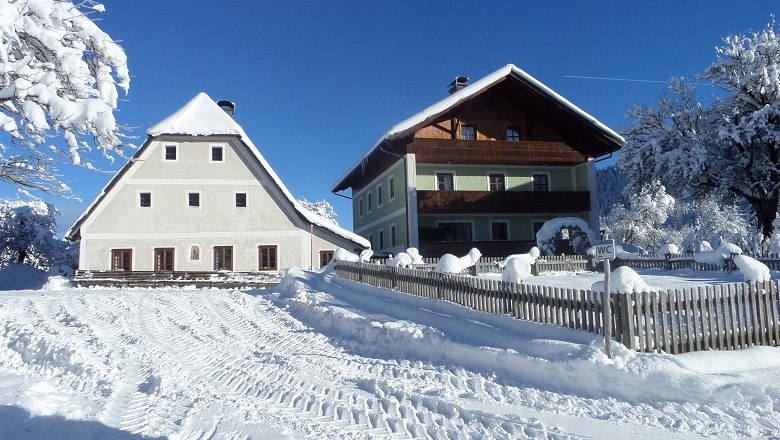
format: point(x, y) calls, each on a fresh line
point(623, 254)
point(402, 259)
point(22, 277)
point(342, 254)
point(752, 269)
point(624, 280)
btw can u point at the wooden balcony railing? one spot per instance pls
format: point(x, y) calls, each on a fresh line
point(505, 202)
point(458, 151)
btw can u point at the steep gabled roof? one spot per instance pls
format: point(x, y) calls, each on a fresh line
point(430, 114)
point(201, 116)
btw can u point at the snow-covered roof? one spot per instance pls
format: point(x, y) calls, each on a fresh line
point(429, 114)
point(201, 116)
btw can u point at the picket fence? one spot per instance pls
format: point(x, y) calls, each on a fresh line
point(556, 263)
point(727, 317)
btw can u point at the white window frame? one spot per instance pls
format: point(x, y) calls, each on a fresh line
point(187, 199)
point(393, 235)
point(391, 188)
point(380, 199)
point(436, 179)
point(381, 238)
point(211, 148)
point(508, 231)
point(360, 207)
point(165, 151)
point(487, 176)
point(368, 202)
point(371, 240)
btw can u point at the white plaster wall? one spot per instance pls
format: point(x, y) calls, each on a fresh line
point(120, 222)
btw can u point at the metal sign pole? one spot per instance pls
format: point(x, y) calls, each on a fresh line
point(607, 312)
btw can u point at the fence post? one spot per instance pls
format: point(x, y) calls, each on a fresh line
point(626, 310)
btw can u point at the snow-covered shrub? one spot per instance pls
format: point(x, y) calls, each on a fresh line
point(624, 280)
point(669, 249)
point(623, 254)
point(752, 269)
point(402, 259)
point(718, 256)
point(449, 263)
point(342, 254)
point(577, 231)
point(516, 270)
point(529, 257)
point(27, 236)
point(415, 254)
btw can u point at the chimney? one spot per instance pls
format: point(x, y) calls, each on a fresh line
point(458, 83)
point(227, 106)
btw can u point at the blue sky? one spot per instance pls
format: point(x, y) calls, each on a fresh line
point(316, 83)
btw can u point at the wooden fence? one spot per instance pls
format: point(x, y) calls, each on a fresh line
point(568, 263)
point(726, 317)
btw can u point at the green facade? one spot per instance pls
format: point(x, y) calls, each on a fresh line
point(383, 217)
point(518, 178)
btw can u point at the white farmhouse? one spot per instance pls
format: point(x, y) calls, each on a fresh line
point(199, 196)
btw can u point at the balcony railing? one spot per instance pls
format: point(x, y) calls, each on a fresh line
point(505, 202)
point(458, 151)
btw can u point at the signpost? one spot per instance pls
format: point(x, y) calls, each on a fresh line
point(605, 250)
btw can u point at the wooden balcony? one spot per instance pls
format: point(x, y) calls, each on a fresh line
point(503, 202)
point(458, 151)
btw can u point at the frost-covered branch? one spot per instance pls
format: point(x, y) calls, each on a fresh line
point(60, 76)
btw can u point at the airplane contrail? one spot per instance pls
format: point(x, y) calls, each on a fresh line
point(603, 78)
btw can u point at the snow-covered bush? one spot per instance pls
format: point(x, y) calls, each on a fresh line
point(516, 270)
point(60, 74)
point(402, 259)
point(27, 236)
point(415, 254)
point(529, 257)
point(574, 229)
point(752, 269)
point(449, 263)
point(718, 256)
point(668, 249)
point(624, 280)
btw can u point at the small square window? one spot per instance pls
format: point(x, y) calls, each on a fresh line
point(444, 182)
point(468, 132)
point(240, 200)
point(541, 182)
point(146, 200)
point(170, 152)
point(513, 134)
point(496, 182)
point(216, 154)
point(193, 200)
point(499, 231)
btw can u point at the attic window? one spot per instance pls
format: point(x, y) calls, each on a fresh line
point(468, 132)
point(216, 153)
point(146, 200)
point(513, 134)
point(170, 152)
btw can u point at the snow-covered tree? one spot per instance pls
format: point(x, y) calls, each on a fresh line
point(321, 207)
point(640, 223)
point(729, 148)
point(27, 235)
point(59, 75)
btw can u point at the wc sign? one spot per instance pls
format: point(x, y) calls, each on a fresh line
point(605, 250)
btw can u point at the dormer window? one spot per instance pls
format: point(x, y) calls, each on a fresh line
point(513, 134)
point(468, 132)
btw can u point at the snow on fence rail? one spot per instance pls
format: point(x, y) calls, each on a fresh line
point(727, 317)
point(569, 263)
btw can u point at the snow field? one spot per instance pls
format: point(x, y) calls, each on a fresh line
point(328, 358)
